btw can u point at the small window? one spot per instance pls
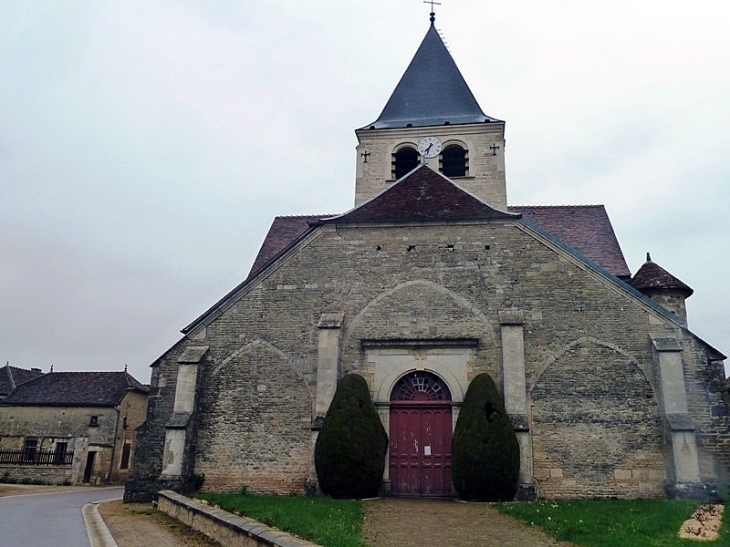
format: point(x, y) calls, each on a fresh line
point(405, 160)
point(126, 452)
point(94, 421)
point(454, 161)
point(29, 450)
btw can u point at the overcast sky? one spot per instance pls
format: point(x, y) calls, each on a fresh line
point(145, 146)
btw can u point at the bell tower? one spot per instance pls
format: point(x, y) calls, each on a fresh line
point(432, 104)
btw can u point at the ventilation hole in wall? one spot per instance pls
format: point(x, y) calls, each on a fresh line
point(486, 247)
point(378, 248)
point(411, 248)
point(450, 247)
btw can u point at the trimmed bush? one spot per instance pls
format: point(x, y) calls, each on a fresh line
point(485, 451)
point(350, 452)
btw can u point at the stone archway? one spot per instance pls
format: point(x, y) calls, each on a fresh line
point(420, 436)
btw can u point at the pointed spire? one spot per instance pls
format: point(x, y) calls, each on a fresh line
point(432, 91)
point(648, 256)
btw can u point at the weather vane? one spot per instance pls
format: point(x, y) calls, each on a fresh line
point(433, 13)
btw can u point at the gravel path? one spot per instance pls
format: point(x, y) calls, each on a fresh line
point(404, 522)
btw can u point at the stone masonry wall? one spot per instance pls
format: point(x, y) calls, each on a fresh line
point(587, 349)
point(486, 174)
point(150, 437)
point(609, 418)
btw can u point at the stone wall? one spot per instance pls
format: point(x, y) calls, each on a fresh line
point(45, 474)
point(590, 373)
point(486, 173)
point(142, 485)
point(223, 527)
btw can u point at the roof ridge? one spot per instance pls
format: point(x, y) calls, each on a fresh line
point(557, 206)
point(325, 215)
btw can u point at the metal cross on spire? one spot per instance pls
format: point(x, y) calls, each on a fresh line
point(433, 13)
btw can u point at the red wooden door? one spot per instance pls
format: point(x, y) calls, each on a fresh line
point(420, 448)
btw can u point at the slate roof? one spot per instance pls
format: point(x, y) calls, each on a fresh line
point(585, 228)
point(653, 276)
point(75, 389)
point(11, 377)
point(432, 91)
point(420, 196)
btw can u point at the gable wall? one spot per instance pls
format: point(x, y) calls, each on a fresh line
point(259, 380)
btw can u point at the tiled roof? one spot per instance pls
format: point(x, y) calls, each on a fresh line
point(653, 276)
point(585, 228)
point(432, 91)
point(422, 195)
point(283, 231)
point(11, 377)
point(75, 389)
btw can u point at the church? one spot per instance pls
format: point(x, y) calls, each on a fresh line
point(430, 279)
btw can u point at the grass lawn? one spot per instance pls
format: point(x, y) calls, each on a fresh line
point(613, 523)
point(600, 523)
point(328, 522)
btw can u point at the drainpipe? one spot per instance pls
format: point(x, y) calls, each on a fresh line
point(114, 446)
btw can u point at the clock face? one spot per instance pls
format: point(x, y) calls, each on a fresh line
point(429, 147)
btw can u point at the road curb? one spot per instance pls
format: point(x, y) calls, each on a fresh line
point(96, 529)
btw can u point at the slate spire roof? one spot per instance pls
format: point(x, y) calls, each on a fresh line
point(432, 91)
point(652, 276)
point(75, 389)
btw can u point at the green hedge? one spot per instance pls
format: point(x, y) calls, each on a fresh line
point(485, 451)
point(350, 452)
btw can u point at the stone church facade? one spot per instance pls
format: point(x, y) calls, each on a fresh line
point(431, 279)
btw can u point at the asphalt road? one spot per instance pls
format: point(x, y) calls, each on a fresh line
point(49, 520)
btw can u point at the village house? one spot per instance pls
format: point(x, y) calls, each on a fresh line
point(432, 278)
point(71, 427)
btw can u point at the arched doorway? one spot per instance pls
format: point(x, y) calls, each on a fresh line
point(420, 436)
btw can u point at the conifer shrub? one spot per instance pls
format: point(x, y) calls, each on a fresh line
point(485, 450)
point(350, 452)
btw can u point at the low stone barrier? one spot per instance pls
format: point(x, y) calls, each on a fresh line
point(227, 529)
point(45, 474)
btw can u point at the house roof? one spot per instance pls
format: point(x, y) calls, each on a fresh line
point(585, 228)
point(652, 276)
point(420, 196)
point(432, 91)
point(11, 377)
point(75, 389)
